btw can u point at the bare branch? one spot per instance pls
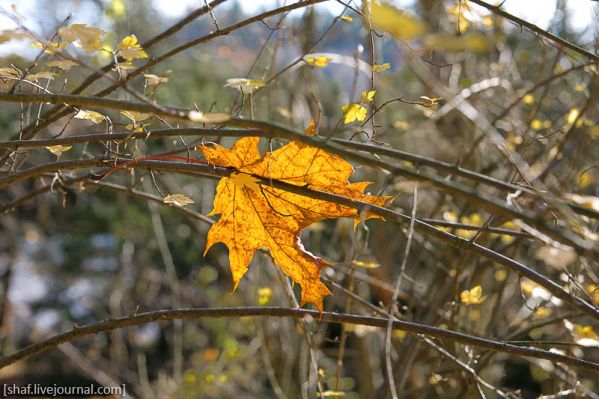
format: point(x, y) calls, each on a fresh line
point(196, 313)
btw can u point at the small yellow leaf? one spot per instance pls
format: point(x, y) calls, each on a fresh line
point(458, 12)
point(473, 42)
point(399, 335)
point(245, 85)
point(527, 287)
point(528, 99)
point(10, 73)
point(181, 200)
point(117, 8)
point(40, 75)
point(593, 291)
point(431, 101)
point(214, 117)
point(86, 37)
point(50, 48)
point(319, 61)
point(124, 65)
point(155, 80)
point(474, 315)
point(93, 116)
point(487, 21)
point(333, 394)
point(136, 116)
point(58, 149)
point(381, 67)
point(130, 50)
point(403, 125)
point(366, 265)
point(513, 140)
point(10, 34)
point(588, 201)
point(65, 65)
point(367, 97)
point(536, 124)
point(584, 178)
point(400, 24)
point(542, 312)
point(435, 379)
point(135, 127)
point(264, 296)
point(572, 116)
point(472, 296)
point(310, 129)
point(346, 19)
point(211, 355)
point(507, 239)
point(500, 275)
point(583, 335)
point(353, 112)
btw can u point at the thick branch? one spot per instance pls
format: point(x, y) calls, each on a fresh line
point(186, 314)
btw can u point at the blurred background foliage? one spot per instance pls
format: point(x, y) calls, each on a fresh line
point(82, 253)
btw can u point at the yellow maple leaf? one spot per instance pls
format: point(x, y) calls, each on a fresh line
point(130, 50)
point(346, 19)
point(255, 215)
point(86, 37)
point(353, 112)
point(472, 296)
point(319, 61)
